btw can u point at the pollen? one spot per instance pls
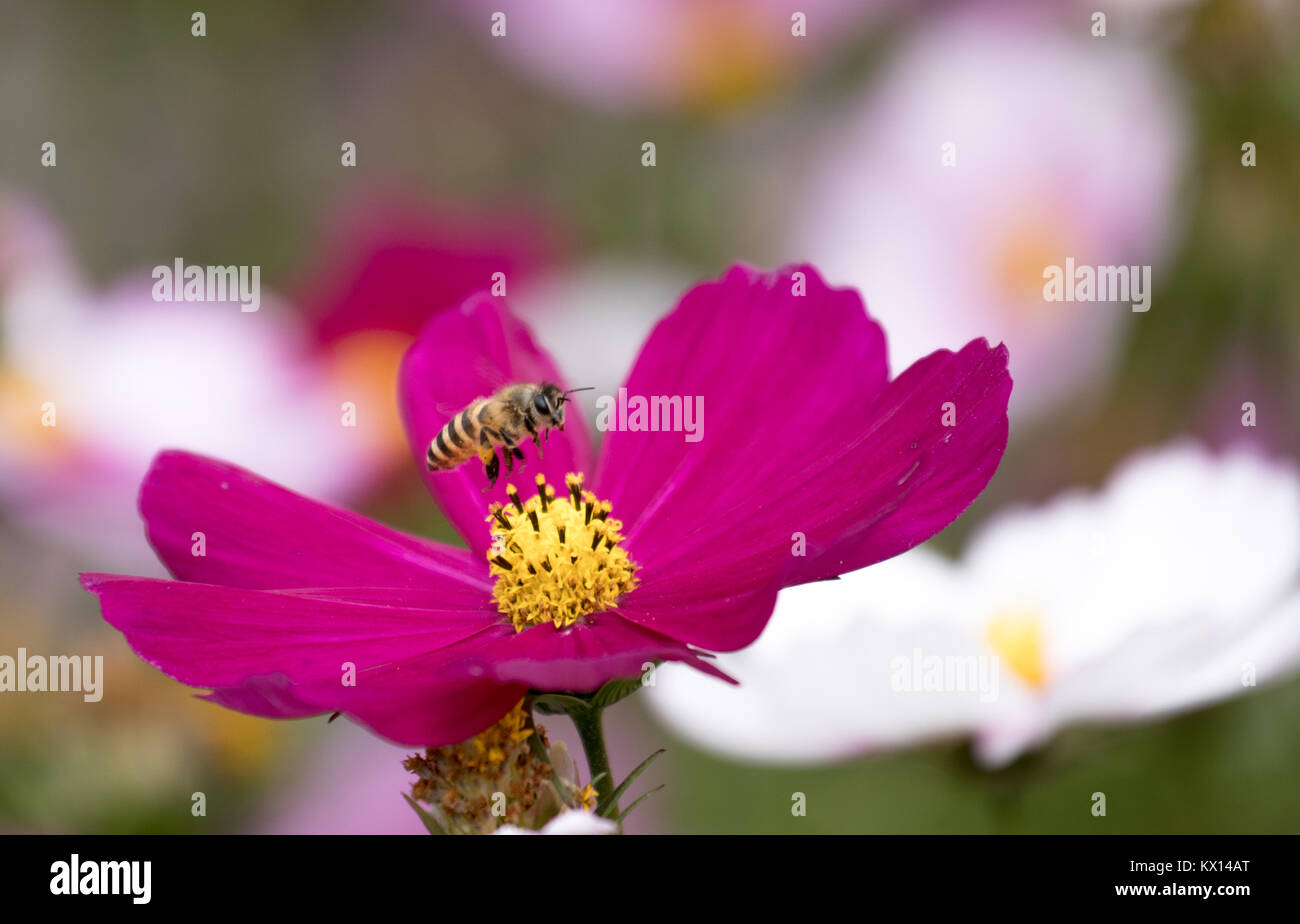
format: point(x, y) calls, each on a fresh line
point(556, 559)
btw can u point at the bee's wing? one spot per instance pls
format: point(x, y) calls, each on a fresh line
point(492, 374)
point(486, 372)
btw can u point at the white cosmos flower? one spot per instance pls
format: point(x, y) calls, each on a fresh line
point(570, 822)
point(1176, 585)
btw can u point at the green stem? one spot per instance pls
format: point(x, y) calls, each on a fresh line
point(588, 723)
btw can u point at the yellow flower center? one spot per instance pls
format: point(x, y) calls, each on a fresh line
point(556, 559)
point(365, 368)
point(1028, 243)
point(1017, 637)
point(26, 423)
point(724, 55)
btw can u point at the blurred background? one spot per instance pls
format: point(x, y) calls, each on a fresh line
point(523, 153)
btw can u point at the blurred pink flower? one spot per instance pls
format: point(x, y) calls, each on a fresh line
point(387, 264)
point(351, 783)
point(664, 52)
point(124, 376)
point(1063, 146)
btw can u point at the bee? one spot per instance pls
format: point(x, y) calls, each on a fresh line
point(505, 418)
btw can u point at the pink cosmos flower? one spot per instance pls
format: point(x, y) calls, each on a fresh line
point(813, 463)
point(121, 375)
point(385, 266)
point(996, 144)
point(389, 265)
point(666, 53)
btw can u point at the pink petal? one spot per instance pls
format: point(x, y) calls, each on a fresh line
point(805, 449)
point(284, 654)
point(725, 614)
point(260, 535)
point(582, 657)
point(900, 477)
point(468, 353)
point(771, 367)
point(953, 464)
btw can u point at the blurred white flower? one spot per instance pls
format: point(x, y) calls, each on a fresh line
point(1061, 146)
point(1177, 585)
point(570, 822)
point(121, 376)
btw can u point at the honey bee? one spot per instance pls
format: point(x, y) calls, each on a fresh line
point(500, 420)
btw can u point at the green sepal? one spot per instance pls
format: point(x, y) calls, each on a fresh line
point(614, 691)
point(578, 703)
point(430, 820)
point(641, 798)
point(611, 800)
point(559, 703)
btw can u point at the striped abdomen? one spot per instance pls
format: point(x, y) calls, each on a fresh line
point(459, 440)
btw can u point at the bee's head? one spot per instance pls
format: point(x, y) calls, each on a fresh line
point(549, 403)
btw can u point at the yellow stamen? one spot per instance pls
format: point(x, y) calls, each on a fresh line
point(556, 558)
point(586, 798)
point(1017, 637)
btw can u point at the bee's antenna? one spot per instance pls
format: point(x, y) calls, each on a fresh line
point(565, 397)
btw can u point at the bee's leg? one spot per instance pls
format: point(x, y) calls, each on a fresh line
point(492, 468)
point(506, 442)
point(537, 437)
point(488, 454)
point(510, 449)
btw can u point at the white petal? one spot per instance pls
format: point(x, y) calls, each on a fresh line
point(820, 682)
point(1153, 592)
point(1176, 533)
point(571, 822)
